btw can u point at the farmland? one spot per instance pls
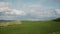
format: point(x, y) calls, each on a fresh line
point(32, 27)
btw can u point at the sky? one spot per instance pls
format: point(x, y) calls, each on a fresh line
point(29, 9)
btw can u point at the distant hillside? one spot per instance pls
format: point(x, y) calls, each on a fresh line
point(57, 20)
point(7, 20)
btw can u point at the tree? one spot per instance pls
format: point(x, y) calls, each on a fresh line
point(57, 20)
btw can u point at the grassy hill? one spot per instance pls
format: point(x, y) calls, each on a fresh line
point(32, 27)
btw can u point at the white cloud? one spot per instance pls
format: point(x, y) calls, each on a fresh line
point(5, 4)
point(28, 11)
point(6, 9)
point(57, 11)
point(39, 11)
point(18, 12)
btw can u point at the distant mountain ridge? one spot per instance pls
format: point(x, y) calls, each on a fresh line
point(7, 20)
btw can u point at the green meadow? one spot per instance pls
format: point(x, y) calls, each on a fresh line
point(32, 27)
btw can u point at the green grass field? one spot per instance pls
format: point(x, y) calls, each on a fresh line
point(32, 27)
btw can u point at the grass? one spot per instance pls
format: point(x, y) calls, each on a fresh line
point(32, 27)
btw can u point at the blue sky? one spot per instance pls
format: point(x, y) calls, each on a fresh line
point(29, 9)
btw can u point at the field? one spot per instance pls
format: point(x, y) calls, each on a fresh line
point(32, 27)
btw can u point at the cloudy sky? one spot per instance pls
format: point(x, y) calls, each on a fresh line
point(29, 9)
